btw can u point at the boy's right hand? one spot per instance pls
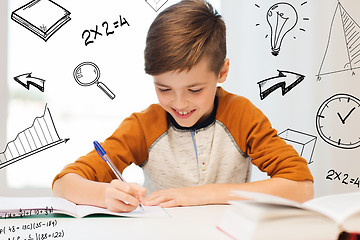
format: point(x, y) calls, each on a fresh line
point(123, 197)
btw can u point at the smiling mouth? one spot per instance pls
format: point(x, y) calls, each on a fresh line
point(183, 114)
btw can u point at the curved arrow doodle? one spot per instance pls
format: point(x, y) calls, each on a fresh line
point(285, 80)
point(26, 80)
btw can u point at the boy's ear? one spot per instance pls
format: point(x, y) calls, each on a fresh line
point(224, 71)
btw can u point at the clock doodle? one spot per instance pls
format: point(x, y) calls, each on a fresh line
point(337, 120)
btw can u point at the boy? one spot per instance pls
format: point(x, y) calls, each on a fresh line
point(197, 144)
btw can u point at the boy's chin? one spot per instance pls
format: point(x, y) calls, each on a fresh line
point(186, 124)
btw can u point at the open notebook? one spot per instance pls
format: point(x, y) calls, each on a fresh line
point(19, 207)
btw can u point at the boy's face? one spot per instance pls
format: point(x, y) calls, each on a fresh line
point(189, 95)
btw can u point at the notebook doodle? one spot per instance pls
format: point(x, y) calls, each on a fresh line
point(42, 17)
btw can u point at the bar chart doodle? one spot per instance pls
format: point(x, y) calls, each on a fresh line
point(345, 38)
point(41, 135)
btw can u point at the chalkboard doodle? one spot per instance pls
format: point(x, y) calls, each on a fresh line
point(285, 80)
point(26, 80)
point(42, 17)
point(337, 120)
point(344, 178)
point(281, 18)
point(106, 29)
point(41, 135)
point(303, 143)
point(344, 36)
point(87, 74)
point(156, 4)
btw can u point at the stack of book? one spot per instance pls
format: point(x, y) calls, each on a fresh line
point(349, 236)
point(268, 217)
point(42, 17)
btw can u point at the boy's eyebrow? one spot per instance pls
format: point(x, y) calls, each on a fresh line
point(160, 84)
point(189, 86)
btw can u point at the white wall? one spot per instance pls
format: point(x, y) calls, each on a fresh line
point(302, 52)
point(3, 85)
point(250, 62)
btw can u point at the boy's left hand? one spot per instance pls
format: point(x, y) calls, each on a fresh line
point(220, 193)
point(175, 197)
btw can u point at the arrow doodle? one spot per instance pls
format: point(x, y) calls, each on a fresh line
point(26, 80)
point(286, 80)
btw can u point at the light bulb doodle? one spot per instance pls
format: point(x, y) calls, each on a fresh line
point(282, 18)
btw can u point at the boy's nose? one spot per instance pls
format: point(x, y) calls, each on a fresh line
point(180, 102)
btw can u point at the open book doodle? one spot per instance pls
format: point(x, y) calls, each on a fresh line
point(270, 217)
point(12, 207)
point(42, 17)
point(156, 4)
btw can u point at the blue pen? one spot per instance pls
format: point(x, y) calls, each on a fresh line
point(105, 157)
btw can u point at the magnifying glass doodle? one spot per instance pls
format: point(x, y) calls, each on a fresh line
point(88, 73)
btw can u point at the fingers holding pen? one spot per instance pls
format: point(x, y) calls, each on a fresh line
point(118, 198)
point(140, 191)
point(123, 197)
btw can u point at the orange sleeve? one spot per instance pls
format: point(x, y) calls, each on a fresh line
point(255, 136)
point(128, 144)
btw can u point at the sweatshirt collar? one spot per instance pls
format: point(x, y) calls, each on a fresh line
point(200, 125)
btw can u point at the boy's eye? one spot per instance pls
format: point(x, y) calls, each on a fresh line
point(195, 90)
point(163, 89)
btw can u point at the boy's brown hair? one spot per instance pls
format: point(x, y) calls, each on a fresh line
point(182, 34)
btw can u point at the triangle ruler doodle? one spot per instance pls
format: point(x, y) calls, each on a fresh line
point(343, 46)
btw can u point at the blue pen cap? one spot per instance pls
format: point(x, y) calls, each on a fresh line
point(99, 149)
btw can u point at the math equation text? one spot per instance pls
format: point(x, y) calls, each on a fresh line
point(105, 29)
point(343, 178)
